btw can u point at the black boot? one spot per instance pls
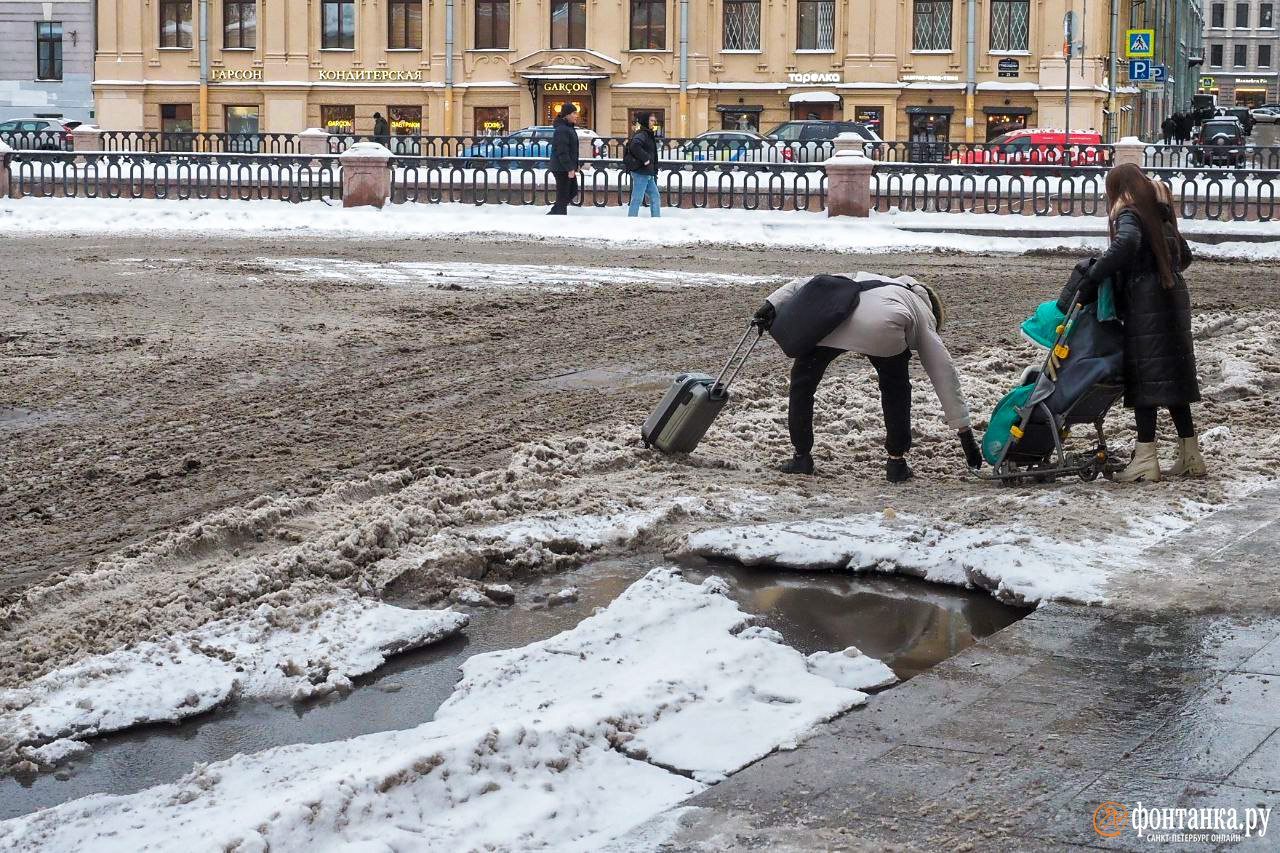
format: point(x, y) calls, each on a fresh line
point(801, 463)
point(897, 471)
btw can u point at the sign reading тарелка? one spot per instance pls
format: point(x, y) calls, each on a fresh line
point(1140, 44)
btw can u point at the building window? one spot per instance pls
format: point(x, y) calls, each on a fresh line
point(1242, 16)
point(492, 121)
point(175, 127)
point(648, 24)
point(48, 50)
point(493, 24)
point(1264, 16)
point(404, 27)
point(339, 24)
point(659, 114)
point(1240, 60)
point(1010, 25)
point(339, 119)
point(568, 23)
point(175, 23)
point(239, 23)
point(739, 118)
point(816, 25)
point(741, 24)
point(242, 129)
point(932, 25)
point(1218, 15)
point(1264, 56)
point(1215, 55)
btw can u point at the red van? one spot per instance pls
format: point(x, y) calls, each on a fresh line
point(1038, 146)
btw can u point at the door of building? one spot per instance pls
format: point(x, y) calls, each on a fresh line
point(554, 94)
point(929, 134)
point(175, 127)
point(813, 112)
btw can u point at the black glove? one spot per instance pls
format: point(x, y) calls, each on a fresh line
point(972, 455)
point(1082, 267)
point(764, 316)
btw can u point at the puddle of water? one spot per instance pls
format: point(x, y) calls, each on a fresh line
point(908, 624)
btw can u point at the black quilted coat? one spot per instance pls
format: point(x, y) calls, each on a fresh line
point(1159, 357)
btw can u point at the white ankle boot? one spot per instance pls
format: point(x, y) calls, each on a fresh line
point(1190, 463)
point(1144, 467)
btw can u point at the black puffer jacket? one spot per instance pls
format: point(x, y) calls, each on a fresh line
point(642, 153)
point(1159, 355)
point(564, 147)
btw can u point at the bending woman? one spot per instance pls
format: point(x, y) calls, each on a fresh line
point(1145, 262)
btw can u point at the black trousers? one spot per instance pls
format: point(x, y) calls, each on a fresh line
point(895, 397)
point(566, 191)
point(1146, 418)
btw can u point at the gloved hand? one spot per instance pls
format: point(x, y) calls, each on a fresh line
point(1082, 267)
point(972, 455)
point(764, 316)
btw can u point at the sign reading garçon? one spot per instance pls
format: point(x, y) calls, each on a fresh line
point(814, 77)
point(371, 75)
point(221, 74)
point(564, 87)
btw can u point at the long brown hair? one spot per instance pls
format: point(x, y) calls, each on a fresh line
point(1165, 196)
point(1128, 188)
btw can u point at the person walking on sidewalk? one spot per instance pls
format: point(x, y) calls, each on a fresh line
point(564, 158)
point(892, 319)
point(641, 161)
point(1145, 262)
point(381, 130)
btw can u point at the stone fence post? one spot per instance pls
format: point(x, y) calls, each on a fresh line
point(586, 149)
point(1131, 149)
point(366, 175)
point(86, 137)
point(313, 142)
point(5, 154)
point(849, 178)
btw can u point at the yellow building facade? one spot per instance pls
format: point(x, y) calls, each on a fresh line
point(914, 69)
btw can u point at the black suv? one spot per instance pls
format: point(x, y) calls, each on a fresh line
point(1219, 142)
point(1241, 113)
point(812, 140)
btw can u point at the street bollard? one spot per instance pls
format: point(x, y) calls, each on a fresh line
point(849, 178)
point(366, 175)
point(1130, 149)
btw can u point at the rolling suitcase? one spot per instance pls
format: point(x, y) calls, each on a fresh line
point(692, 403)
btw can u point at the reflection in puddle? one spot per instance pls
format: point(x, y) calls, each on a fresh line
point(909, 624)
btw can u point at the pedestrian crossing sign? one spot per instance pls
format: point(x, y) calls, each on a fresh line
point(1140, 44)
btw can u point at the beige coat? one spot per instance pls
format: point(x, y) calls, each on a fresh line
point(888, 321)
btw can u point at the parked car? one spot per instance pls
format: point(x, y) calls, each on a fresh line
point(36, 134)
point(1241, 113)
point(1265, 115)
point(531, 142)
point(1038, 146)
point(735, 146)
point(1219, 142)
point(812, 140)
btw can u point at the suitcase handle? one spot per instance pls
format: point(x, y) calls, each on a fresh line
point(721, 386)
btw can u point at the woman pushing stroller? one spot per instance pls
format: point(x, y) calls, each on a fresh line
point(1145, 261)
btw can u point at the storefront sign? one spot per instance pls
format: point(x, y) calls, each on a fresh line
point(1008, 68)
point(220, 74)
point(565, 87)
point(814, 77)
point(1251, 81)
point(930, 78)
point(371, 75)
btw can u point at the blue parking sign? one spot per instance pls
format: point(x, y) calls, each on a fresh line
point(1159, 73)
point(1139, 70)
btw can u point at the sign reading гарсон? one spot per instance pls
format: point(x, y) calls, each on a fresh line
point(223, 74)
point(564, 87)
point(372, 75)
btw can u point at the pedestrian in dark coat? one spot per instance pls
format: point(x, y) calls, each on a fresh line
point(1167, 129)
point(564, 158)
point(641, 160)
point(1145, 262)
point(381, 130)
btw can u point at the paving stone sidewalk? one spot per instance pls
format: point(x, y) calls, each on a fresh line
point(1013, 744)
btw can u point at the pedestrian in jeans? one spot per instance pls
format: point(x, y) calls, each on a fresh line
point(564, 158)
point(641, 160)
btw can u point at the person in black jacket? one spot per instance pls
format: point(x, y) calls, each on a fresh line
point(641, 160)
point(1145, 262)
point(564, 158)
point(381, 130)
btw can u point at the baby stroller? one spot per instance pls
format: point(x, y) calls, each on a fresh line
point(1081, 378)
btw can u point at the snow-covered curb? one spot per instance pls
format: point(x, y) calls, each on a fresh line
point(296, 653)
point(783, 229)
point(566, 743)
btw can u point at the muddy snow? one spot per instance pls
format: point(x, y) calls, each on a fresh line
point(565, 742)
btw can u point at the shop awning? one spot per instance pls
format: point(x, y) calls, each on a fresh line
point(814, 98)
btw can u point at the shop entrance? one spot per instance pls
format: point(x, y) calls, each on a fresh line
point(929, 134)
point(554, 94)
point(813, 111)
point(1251, 98)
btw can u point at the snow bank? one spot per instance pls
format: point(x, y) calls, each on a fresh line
point(565, 743)
point(277, 653)
point(1017, 566)
point(783, 229)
